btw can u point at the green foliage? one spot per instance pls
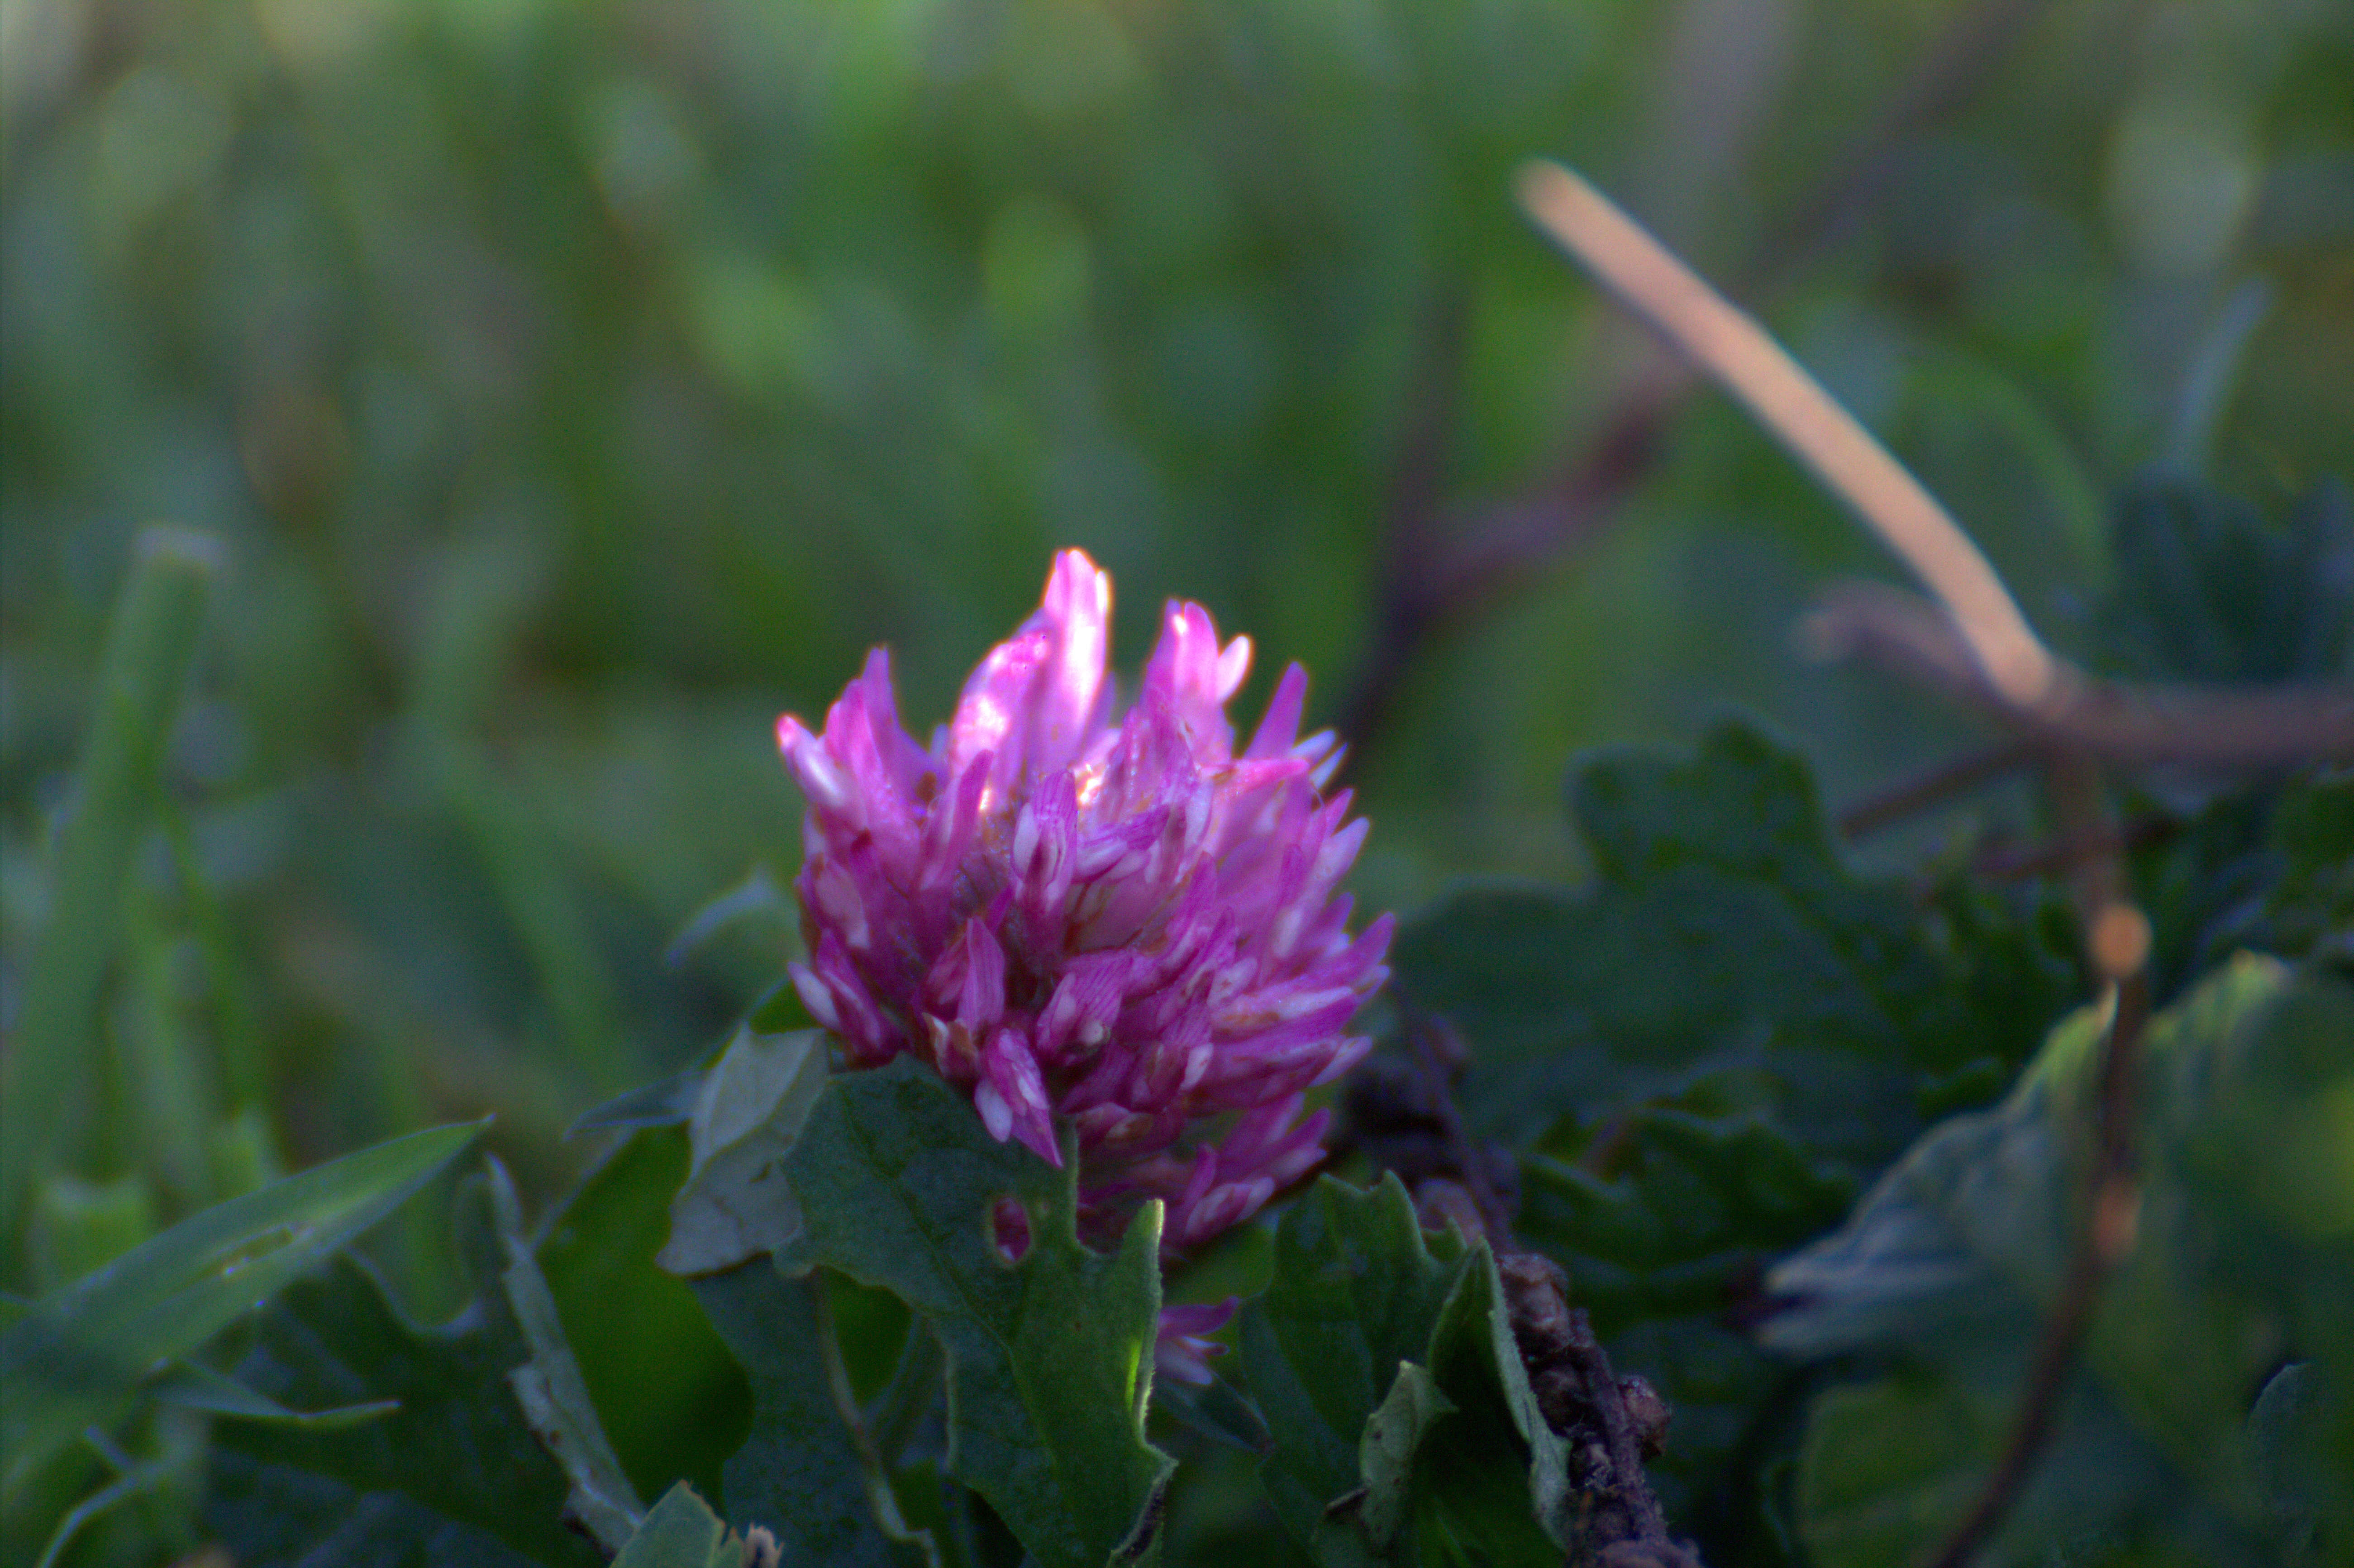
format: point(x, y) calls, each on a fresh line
point(742, 1121)
point(1402, 1428)
point(1050, 1358)
point(1722, 949)
point(140, 684)
point(455, 1475)
point(1704, 1054)
point(76, 1359)
point(555, 1397)
point(2208, 589)
point(2244, 1258)
point(801, 1473)
point(570, 392)
point(1356, 1292)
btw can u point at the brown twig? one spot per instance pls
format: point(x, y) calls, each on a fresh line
point(1937, 786)
point(1810, 424)
point(2060, 854)
point(1438, 576)
point(1973, 642)
point(2116, 950)
point(2113, 720)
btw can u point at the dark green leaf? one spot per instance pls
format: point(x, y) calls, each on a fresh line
point(1050, 1358)
point(1357, 1290)
point(74, 1360)
point(1706, 1051)
point(1215, 1410)
point(1492, 1485)
point(2309, 911)
point(455, 1475)
point(1386, 1453)
point(675, 1403)
point(2207, 588)
point(800, 1473)
point(1721, 941)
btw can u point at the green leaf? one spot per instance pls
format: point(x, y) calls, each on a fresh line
point(455, 1475)
point(1050, 1358)
point(1721, 941)
point(682, 1533)
point(668, 1103)
point(2245, 1254)
point(1701, 1055)
point(1386, 1453)
point(1356, 1292)
point(2289, 1437)
point(76, 1358)
point(801, 1472)
point(549, 1387)
point(748, 1112)
point(192, 1385)
point(1492, 1482)
point(1455, 1464)
point(2208, 590)
point(674, 1402)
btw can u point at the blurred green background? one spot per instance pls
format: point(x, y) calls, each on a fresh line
point(574, 386)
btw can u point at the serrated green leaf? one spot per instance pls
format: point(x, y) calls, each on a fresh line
point(799, 1473)
point(748, 1109)
point(75, 1359)
point(1457, 1463)
point(674, 1402)
point(549, 1387)
point(455, 1475)
point(1704, 1053)
point(1721, 939)
point(2245, 1225)
point(1050, 1358)
point(1356, 1291)
point(1665, 1210)
point(682, 1533)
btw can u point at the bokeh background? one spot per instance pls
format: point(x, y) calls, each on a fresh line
point(574, 386)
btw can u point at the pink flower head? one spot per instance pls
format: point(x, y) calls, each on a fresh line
point(1122, 922)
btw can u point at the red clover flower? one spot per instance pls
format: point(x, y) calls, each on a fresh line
point(1123, 922)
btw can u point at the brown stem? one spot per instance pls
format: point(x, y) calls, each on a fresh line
point(2013, 865)
point(2116, 949)
point(1934, 786)
point(1433, 583)
point(2139, 725)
